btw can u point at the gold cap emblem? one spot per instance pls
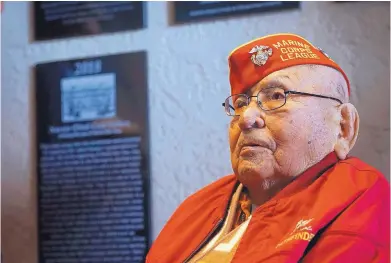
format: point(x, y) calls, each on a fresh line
point(262, 53)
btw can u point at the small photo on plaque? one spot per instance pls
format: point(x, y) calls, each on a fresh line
point(86, 98)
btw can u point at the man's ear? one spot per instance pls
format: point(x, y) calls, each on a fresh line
point(348, 130)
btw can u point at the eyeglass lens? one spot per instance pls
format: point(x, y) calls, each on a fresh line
point(268, 99)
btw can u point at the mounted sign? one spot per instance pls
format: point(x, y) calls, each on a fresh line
point(93, 159)
point(186, 11)
point(56, 19)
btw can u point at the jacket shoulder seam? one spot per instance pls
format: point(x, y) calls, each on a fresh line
point(373, 170)
point(354, 234)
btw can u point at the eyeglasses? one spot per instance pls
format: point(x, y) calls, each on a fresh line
point(267, 99)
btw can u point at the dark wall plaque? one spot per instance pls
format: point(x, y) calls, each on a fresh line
point(93, 159)
point(56, 19)
point(186, 11)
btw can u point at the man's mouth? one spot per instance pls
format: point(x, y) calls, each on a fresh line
point(254, 144)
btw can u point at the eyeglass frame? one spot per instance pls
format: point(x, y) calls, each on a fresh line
point(286, 92)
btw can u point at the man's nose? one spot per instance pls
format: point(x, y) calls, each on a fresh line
point(252, 117)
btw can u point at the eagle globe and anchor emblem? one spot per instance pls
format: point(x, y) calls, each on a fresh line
point(262, 54)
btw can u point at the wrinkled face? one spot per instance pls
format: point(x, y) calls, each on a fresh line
point(273, 146)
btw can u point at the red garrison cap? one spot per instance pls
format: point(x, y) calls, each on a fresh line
point(254, 60)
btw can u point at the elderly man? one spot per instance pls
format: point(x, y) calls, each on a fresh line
point(295, 195)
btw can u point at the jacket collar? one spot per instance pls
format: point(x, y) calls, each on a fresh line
point(308, 176)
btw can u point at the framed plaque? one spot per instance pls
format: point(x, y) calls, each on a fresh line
point(56, 19)
point(93, 159)
point(187, 11)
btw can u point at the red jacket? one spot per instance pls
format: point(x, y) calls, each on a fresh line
point(346, 204)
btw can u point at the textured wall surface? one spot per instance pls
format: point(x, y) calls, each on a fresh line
point(187, 75)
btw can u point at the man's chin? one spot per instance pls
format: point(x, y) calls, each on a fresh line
point(252, 173)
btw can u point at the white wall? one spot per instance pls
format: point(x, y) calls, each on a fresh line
point(187, 75)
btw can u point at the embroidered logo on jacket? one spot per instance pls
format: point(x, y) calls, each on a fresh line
point(302, 225)
point(302, 231)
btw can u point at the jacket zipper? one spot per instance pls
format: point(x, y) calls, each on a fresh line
point(214, 229)
point(206, 239)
